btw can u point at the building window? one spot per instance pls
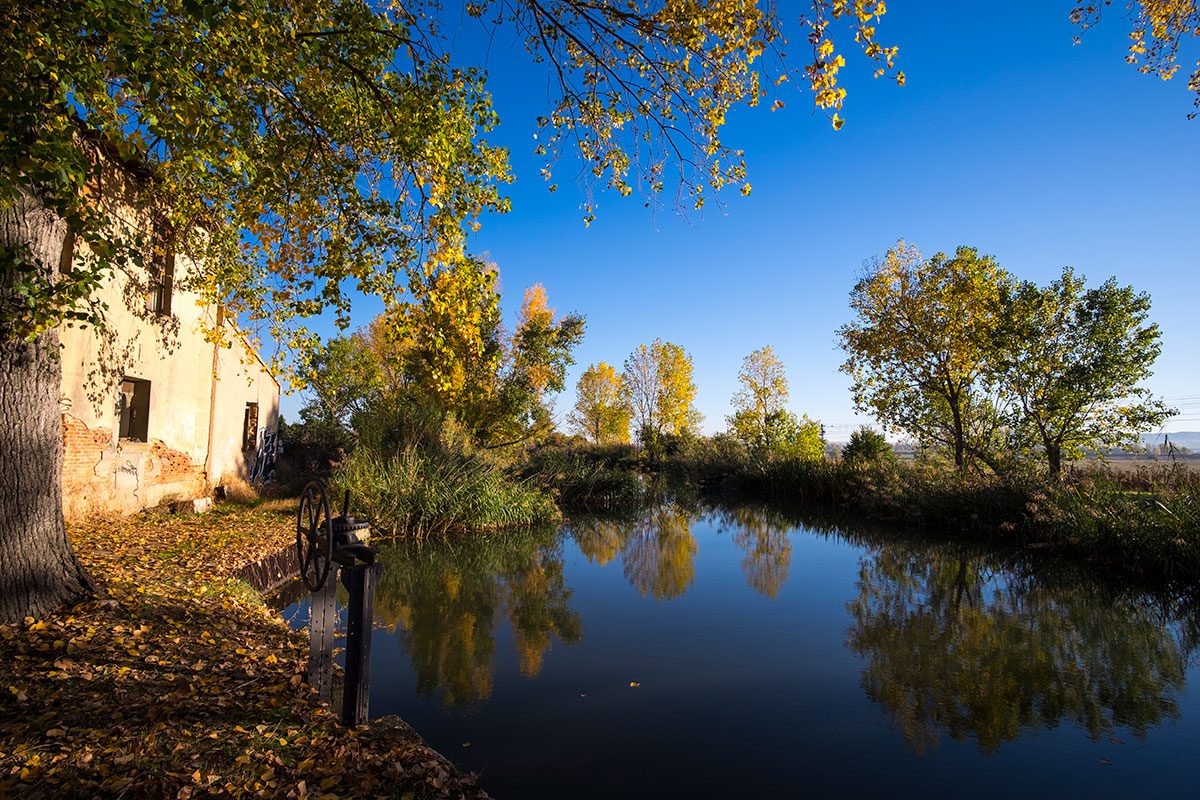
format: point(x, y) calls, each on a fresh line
point(66, 261)
point(135, 409)
point(250, 427)
point(161, 269)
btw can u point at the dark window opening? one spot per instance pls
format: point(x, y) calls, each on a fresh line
point(250, 427)
point(66, 261)
point(161, 270)
point(135, 409)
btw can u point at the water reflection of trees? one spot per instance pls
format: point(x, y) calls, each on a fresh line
point(766, 546)
point(446, 599)
point(658, 550)
point(954, 647)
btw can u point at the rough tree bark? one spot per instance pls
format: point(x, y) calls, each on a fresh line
point(38, 569)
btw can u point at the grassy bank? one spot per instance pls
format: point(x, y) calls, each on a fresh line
point(180, 682)
point(1144, 521)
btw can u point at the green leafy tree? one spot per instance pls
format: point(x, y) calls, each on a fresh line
point(342, 377)
point(602, 412)
point(799, 438)
point(1072, 359)
point(763, 393)
point(867, 446)
point(918, 348)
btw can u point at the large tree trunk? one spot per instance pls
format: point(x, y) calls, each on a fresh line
point(38, 570)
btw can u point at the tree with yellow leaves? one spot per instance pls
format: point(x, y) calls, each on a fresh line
point(444, 353)
point(1160, 29)
point(763, 393)
point(602, 412)
point(659, 386)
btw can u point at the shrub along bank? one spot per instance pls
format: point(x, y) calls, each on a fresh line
point(1144, 521)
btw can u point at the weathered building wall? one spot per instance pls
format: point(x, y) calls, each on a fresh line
point(237, 452)
point(155, 369)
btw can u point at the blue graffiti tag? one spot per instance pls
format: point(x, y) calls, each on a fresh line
point(263, 469)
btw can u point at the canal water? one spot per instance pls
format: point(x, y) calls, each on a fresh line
point(738, 653)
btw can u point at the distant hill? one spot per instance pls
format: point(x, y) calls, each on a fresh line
point(1188, 439)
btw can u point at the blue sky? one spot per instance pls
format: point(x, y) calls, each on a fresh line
point(1007, 137)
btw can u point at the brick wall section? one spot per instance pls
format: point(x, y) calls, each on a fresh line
point(171, 466)
point(83, 448)
point(98, 477)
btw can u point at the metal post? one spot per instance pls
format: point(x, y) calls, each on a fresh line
point(359, 581)
point(322, 620)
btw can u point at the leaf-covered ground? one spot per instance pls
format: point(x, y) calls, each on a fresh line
point(180, 682)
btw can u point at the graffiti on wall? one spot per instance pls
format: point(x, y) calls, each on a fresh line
point(263, 468)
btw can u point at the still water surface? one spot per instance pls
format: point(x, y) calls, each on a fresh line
point(736, 654)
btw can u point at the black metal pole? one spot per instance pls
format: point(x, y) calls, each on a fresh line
point(359, 581)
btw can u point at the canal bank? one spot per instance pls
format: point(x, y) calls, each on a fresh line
point(181, 682)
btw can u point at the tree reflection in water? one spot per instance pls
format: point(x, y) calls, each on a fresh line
point(974, 645)
point(953, 647)
point(658, 550)
point(445, 599)
point(766, 546)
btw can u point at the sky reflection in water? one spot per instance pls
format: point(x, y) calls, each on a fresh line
point(734, 653)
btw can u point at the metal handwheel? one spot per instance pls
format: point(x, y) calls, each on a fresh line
point(314, 536)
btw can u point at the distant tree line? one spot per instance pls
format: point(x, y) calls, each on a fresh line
point(655, 391)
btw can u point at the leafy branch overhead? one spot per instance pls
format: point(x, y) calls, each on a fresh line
point(1159, 29)
point(306, 152)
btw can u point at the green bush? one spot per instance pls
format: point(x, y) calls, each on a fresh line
point(588, 477)
point(867, 446)
point(417, 493)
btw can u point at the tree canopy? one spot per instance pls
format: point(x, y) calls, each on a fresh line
point(445, 352)
point(960, 355)
point(1071, 358)
point(763, 392)
point(602, 411)
point(659, 386)
point(918, 345)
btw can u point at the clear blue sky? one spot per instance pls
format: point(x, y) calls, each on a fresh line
point(1007, 137)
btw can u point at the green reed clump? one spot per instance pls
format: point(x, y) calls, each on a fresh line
point(1149, 517)
point(415, 493)
point(588, 478)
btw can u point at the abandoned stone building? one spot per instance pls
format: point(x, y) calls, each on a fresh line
point(152, 410)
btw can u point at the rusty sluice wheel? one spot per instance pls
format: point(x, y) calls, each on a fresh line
point(314, 536)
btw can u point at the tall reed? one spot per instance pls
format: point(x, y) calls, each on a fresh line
point(416, 494)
